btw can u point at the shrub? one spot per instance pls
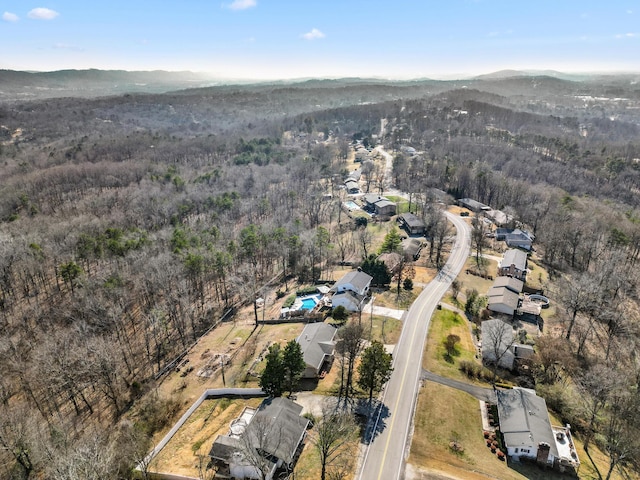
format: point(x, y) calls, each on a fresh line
point(339, 313)
point(306, 291)
point(289, 301)
point(470, 369)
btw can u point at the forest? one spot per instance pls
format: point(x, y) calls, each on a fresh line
point(130, 223)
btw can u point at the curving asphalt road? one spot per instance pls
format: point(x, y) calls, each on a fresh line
point(384, 457)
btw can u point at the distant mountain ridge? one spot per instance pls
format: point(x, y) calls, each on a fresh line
point(91, 83)
point(94, 82)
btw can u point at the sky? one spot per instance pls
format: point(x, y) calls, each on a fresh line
point(283, 39)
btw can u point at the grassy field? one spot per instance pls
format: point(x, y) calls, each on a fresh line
point(386, 330)
point(435, 359)
point(391, 299)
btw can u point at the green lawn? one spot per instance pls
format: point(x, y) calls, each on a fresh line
point(435, 359)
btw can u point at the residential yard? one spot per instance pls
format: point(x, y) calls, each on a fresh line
point(470, 282)
point(435, 358)
point(212, 418)
point(391, 299)
point(445, 414)
point(386, 330)
point(402, 203)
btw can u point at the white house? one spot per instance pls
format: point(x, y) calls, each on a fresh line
point(355, 281)
point(351, 290)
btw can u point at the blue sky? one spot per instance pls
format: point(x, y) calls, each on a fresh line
point(264, 39)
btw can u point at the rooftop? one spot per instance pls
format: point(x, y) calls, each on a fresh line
point(524, 419)
point(515, 257)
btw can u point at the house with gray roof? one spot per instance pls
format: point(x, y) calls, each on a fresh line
point(411, 223)
point(514, 264)
point(525, 426)
point(262, 441)
point(509, 283)
point(473, 205)
point(411, 248)
point(352, 186)
point(527, 431)
point(499, 346)
point(351, 290)
point(379, 205)
point(356, 281)
point(503, 300)
point(515, 238)
point(318, 346)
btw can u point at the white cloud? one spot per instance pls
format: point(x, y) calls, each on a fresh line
point(42, 13)
point(66, 46)
point(242, 4)
point(314, 34)
point(500, 34)
point(627, 35)
point(10, 17)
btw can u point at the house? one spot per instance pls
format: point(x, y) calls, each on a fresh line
point(348, 300)
point(503, 300)
point(355, 281)
point(473, 205)
point(352, 187)
point(355, 175)
point(515, 238)
point(361, 155)
point(411, 223)
point(527, 430)
point(262, 441)
point(499, 346)
point(497, 343)
point(318, 346)
point(351, 290)
point(509, 283)
point(379, 204)
point(514, 264)
point(498, 217)
point(411, 248)
point(392, 260)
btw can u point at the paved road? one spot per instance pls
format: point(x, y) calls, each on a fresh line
point(384, 457)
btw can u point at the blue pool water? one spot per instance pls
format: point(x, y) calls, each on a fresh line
point(309, 302)
point(351, 204)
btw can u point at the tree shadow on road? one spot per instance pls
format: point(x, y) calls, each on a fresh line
point(376, 422)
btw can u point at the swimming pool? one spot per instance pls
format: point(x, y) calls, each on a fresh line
point(309, 302)
point(351, 205)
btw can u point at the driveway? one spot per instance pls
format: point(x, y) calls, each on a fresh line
point(481, 393)
point(384, 311)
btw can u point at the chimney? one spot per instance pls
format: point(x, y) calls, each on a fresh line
point(543, 453)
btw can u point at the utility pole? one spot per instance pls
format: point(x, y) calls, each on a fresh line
point(224, 382)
